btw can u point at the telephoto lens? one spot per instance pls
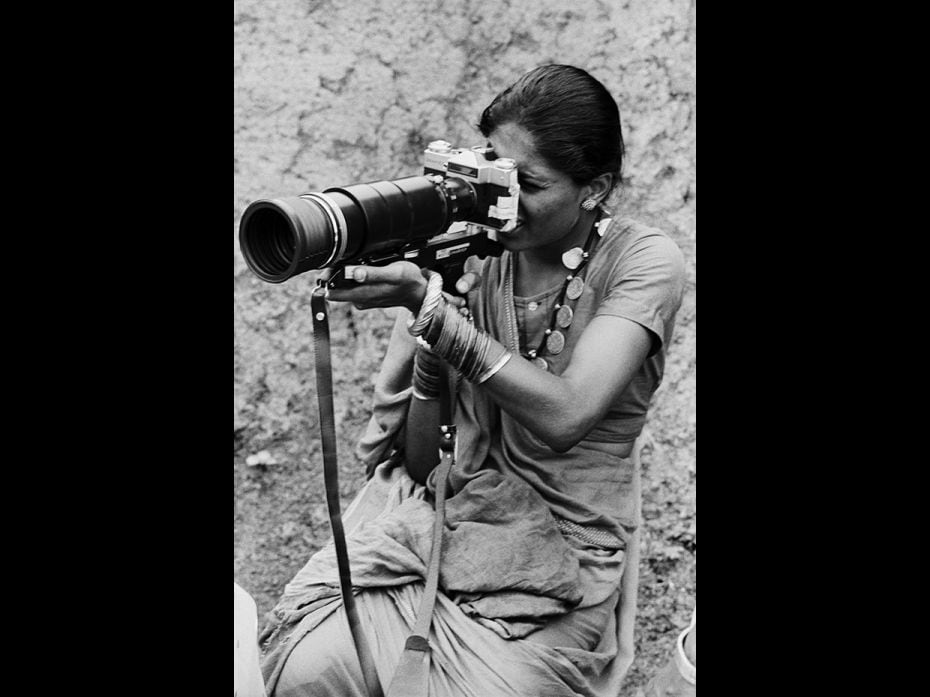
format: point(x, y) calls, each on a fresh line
point(283, 237)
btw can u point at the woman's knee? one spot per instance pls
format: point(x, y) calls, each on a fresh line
point(322, 663)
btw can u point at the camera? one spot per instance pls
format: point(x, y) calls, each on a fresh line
point(435, 220)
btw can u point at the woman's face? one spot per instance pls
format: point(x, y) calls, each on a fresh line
point(550, 202)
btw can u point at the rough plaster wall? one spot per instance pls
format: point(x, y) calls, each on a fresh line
point(331, 93)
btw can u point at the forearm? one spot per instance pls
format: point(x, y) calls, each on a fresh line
point(422, 440)
point(549, 406)
point(561, 409)
point(423, 415)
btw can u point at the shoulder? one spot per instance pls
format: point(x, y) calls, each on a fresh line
point(629, 244)
point(628, 235)
point(640, 276)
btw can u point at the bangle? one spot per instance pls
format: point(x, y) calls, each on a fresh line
point(685, 667)
point(497, 365)
point(417, 325)
point(474, 353)
point(426, 374)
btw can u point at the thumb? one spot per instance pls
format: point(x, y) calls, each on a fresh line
point(467, 282)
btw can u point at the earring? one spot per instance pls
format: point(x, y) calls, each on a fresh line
point(589, 204)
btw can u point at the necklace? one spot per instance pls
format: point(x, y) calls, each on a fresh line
point(553, 340)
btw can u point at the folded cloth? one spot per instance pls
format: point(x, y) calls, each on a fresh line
point(503, 556)
point(472, 656)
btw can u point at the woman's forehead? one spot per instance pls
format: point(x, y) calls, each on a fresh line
point(513, 141)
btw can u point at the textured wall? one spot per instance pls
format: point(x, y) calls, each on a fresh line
point(336, 93)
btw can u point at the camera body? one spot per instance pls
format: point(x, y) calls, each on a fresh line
point(494, 180)
point(435, 220)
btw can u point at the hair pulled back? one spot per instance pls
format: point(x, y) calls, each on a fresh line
point(572, 118)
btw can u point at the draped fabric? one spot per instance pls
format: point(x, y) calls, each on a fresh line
point(522, 608)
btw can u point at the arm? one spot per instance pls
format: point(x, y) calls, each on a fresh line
point(390, 398)
point(561, 410)
point(636, 314)
point(429, 383)
point(422, 444)
point(404, 284)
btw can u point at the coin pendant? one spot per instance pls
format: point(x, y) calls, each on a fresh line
point(540, 363)
point(563, 317)
point(573, 257)
point(575, 286)
point(555, 342)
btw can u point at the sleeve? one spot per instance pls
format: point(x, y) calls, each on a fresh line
point(393, 388)
point(646, 285)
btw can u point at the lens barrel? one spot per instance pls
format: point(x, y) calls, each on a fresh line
point(283, 237)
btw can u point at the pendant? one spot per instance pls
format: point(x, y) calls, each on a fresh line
point(563, 316)
point(540, 363)
point(573, 257)
point(575, 286)
point(555, 342)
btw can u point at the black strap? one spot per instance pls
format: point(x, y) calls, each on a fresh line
point(324, 381)
point(411, 677)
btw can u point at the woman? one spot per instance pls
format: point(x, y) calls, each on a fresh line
point(560, 353)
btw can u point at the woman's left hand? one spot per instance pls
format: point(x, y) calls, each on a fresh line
point(399, 284)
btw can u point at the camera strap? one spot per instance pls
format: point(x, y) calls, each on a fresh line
point(411, 677)
point(324, 382)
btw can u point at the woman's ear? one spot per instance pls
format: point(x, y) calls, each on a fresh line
point(599, 187)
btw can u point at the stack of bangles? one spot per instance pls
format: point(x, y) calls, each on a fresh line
point(443, 333)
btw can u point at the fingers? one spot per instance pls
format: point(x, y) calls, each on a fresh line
point(393, 285)
point(467, 282)
point(459, 302)
point(456, 300)
point(392, 273)
point(359, 274)
point(362, 286)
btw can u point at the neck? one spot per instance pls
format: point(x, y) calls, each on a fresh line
point(540, 268)
point(550, 256)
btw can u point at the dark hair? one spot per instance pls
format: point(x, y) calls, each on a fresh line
point(573, 119)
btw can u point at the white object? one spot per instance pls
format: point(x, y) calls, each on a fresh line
point(248, 680)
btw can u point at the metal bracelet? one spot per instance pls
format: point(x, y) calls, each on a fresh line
point(495, 367)
point(417, 325)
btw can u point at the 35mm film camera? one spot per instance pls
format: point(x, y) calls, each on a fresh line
point(435, 220)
